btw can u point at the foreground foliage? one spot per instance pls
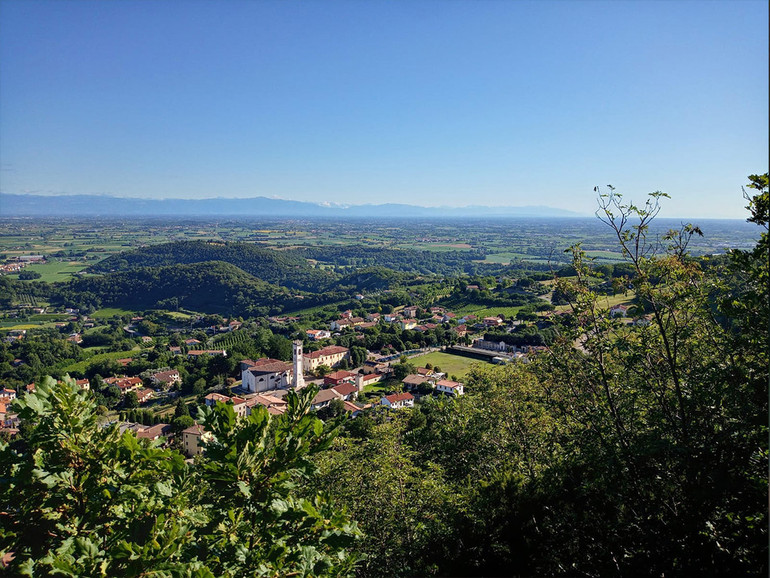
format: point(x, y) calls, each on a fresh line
point(83, 500)
point(625, 450)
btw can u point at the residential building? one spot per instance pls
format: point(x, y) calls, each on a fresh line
point(338, 377)
point(191, 440)
point(346, 390)
point(324, 398)
point(448, 387)
point(166, 378)
point(317, 334)
point(398, 400)
point(330, 355)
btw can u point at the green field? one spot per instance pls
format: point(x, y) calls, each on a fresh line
point(450, 364)
point(484, 311)
point(56, 270)
point(110, 312)
point(81, 366)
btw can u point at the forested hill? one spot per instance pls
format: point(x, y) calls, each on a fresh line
point(211, 286)
point(277, 267)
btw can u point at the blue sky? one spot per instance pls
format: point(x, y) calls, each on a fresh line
point(430, 103)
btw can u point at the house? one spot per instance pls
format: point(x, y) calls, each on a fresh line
point(144, 395)
point(238, 403)
point(265, 374)
point(453, 388)
point(211, 399)
point(414, 380)
point(191, 440)
point(618, 311)
point(353, 409)
point(338, 377)
point(369, 378)
point(175, 350)
point(398, 400)
point(408, 324)
point(492, 321)
point(346, 390)
point(373, 317)
point(7, 395)
point(409, 312)
point(146, 339)
point(460, 330)
point(199, 352)
point(274, 405)
point(324, 398)
point(83, 384)
point(154, 432)
point(330, 355)
point(191, 342)
point(341, 324)
point(125, 384)
point(317, 334)
point(166, 378)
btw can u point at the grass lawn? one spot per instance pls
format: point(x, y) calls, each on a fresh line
point(607, 301)
point(449, 364)
point(110, 312)
point(16, 326)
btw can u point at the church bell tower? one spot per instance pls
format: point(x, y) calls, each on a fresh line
point(298, 380)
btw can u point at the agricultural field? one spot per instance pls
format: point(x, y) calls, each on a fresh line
point(450, 364)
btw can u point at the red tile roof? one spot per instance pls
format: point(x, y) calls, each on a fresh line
point(396, 397)
point(328, 350)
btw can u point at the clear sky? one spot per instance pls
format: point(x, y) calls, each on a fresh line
point(430, 103)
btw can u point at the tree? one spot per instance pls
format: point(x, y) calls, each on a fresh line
point(99, 502)
point(181, 409)
point(358, 355)
point(252, 466)
point(131, 400)
point(335, 408)
point(401, 370)
point(199, 386)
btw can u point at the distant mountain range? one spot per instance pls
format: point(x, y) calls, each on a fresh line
point(12, 205)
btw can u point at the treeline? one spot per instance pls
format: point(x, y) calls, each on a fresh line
point(448, 263)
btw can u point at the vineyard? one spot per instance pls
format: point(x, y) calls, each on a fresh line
point(228, 340)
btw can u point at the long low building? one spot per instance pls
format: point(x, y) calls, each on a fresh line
point(330, 355)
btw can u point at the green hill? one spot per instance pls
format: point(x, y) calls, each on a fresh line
point(212, 287)
point(277, 267)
